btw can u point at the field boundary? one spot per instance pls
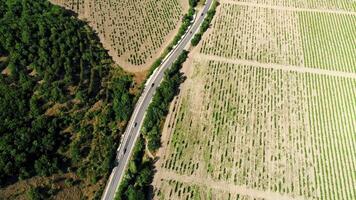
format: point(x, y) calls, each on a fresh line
point(224, 186)
point(288, 8)
point(299, 69)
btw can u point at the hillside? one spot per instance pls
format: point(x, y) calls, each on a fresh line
point(135, 33)
point(64, 104)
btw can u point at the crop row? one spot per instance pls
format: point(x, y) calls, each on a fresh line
point(172, 189)
point(329, 41)
point(134, 30)
point(251, 33)
point(313, 4)
point(317, 40)
point(267, 129)
point(248, 133)
point(332, 116)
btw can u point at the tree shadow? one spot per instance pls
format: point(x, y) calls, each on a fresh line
point(150, 188)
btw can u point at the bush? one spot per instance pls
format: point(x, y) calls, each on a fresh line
point(196, 39)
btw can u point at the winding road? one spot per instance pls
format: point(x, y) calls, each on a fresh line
point(133, 128)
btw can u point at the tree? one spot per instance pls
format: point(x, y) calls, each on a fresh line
point(55, 59)
point(44, 166)
point(196, 39)
point(145, 177)
point(34, 194)
point(134, 194)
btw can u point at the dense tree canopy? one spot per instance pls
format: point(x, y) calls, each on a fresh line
point(54, 73)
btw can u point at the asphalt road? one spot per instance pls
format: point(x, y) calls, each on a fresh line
point(133, 128)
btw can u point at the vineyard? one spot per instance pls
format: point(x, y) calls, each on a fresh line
point(178, 190)
point(284, 37)
point(261, 34)
point(313, 4)
point(273, 138)
point(134, 32)
point(319, 30)
point(268, 110)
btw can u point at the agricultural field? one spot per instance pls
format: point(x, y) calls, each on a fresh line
point(329, 41)
point(268, 110)
point(252, 33)
point(178, 190)
point(346, 5)
point(134, 33)
point(319, 40)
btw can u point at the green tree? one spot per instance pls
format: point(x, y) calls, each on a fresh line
point(134, 194)
point(196, 39)
point(145, 177)
point(34, 194)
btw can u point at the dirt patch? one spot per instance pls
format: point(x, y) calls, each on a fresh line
point(55, 109)
point(96, 106)
point(6, 71)
point(18, 190)
point(223, 186)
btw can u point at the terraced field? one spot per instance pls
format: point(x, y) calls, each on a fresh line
point(268, 110)
point(134, 32)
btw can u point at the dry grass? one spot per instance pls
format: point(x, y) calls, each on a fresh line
point(18, 190)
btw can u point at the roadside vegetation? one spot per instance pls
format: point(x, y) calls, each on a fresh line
point(206, 23)
point(136, 183)
point(63, 104)
point(186, 22)
point(139, 174)
point(158, 108)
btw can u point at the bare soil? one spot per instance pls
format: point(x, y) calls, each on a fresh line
point(18, 190)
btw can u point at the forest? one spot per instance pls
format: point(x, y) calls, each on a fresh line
point(63, 103)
